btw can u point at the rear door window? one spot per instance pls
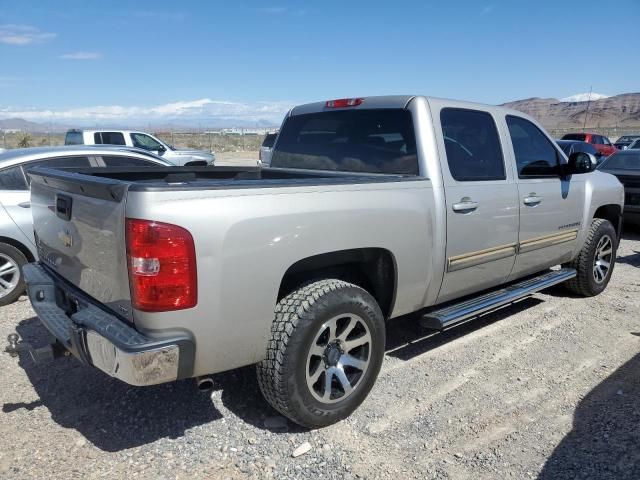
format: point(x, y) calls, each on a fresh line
point(127, 162)
point(368, 141)
point(535, 154)
point(109, 138)
point(12, 179)
point(575, 136)
point(472, 145)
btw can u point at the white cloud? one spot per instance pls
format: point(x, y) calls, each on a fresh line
point(204, 111)
point(82, 56)
point(11, 34)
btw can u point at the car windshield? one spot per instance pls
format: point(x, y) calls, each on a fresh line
point(627, 138)
point(372, 141)
point(622, 161)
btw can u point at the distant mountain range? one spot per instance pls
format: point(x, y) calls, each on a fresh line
point(566, 113)
point(617, 111)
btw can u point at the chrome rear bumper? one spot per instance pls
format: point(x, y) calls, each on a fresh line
point(101, 339)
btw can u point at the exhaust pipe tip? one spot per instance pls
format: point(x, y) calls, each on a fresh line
point(204, 384)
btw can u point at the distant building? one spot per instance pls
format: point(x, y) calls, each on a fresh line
point(247, 131)
point(10, 130)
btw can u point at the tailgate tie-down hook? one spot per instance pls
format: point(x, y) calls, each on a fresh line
point(38, 355)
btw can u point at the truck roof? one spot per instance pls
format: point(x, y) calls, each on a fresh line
point(402, 101)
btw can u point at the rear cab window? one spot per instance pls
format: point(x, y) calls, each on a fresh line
point(74, 138)
point(366, 140)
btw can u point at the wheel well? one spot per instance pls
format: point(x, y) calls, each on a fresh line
point(613, 213)
point(14, 243)
point(370, 268)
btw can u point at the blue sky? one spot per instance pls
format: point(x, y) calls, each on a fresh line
point(86, 61)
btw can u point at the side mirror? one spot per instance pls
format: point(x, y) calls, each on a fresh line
point(161, 150)
point(581, 162)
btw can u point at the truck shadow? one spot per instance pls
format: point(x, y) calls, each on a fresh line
point(407, 339)
point(604, 441)
point(110, 414)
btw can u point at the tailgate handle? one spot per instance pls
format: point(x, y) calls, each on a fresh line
point(63, 207)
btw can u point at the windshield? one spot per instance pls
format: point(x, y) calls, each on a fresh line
point(372, 141)
point(622, 161)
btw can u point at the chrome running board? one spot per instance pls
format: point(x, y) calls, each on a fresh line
point(458, 312)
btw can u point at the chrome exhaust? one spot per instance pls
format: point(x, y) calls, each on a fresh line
point(204, 384)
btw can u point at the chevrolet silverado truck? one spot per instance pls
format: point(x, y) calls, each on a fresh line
point(372, 208)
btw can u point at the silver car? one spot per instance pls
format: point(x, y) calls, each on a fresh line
point(17, 245)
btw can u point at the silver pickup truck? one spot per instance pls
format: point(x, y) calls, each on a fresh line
point(373, 208)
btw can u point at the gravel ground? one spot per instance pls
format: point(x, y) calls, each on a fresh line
point(545, 388)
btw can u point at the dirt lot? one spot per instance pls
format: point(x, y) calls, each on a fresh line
point(547, 388)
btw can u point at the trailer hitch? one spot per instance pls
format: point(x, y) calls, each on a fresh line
point(38, 355)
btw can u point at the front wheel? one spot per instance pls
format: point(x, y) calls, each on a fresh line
point(594, 264)
point(325, 352)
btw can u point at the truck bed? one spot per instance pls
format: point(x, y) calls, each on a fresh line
point(205, 177)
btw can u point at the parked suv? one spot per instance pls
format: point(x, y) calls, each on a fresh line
point(602, 143)
point(142, 140)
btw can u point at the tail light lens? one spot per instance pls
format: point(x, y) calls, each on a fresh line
point(162, 266)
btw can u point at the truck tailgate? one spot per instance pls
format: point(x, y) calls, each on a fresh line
point(79, 223)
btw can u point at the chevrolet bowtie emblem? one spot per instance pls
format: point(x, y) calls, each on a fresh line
point(66, 238)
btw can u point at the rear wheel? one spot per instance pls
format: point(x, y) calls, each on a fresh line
point(594, 264)
point(325, 352)
point(11, 280)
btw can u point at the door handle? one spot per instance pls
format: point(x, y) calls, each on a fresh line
point(465, 205)
point(25, 204)
point(532, 200)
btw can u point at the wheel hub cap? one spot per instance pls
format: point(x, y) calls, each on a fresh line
point(603, 258)
point(338, 358)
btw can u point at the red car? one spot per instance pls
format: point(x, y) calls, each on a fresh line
point(600, 142)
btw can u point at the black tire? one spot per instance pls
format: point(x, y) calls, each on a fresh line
point(299, 317)
point(18, 258)
point(585, 282)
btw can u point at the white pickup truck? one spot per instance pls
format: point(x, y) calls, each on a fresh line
point(145, 141)
point(373, 208)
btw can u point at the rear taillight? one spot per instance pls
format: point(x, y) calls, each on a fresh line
point(162, 266)
point(344, 102)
